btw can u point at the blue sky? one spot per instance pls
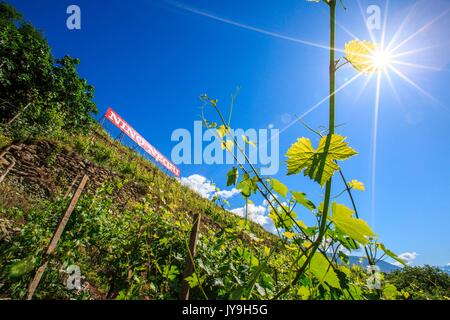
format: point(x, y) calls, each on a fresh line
point(150, 61)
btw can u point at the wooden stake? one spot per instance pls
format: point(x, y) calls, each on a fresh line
point(56, 236)
point(189, 267)
point(37, 278)
point(18, 114)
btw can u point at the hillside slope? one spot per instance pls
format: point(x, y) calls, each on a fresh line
point(46, 170)
point(123, 186)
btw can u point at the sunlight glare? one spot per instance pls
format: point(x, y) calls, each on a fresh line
point(380, 59)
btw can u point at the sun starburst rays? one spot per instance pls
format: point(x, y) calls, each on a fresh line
point(387, 59)
point(383, 57)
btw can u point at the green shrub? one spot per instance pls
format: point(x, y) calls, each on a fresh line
point(4, 140)
point(46, 93)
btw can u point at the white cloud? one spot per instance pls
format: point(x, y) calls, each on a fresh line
point(257, 214)
point(448, 264)
point(226, 194)
point(206, 188)
point(199, 184)
point(407, 257)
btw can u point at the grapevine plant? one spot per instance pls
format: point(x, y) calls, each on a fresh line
point(316, 250)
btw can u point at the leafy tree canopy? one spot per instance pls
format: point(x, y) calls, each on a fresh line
point(41, 93)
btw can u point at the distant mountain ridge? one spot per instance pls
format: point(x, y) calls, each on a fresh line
point(363, 262)
point(386, 267)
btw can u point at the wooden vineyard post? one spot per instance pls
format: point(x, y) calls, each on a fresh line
point(189, 267)
point(18, 114)
point(56, 236)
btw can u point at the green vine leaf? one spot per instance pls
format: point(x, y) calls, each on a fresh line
point(194, 281)
point(279, 187)
point(356, 229)
point(322, 270)
point(281, 219)
point(318, 164)
point(390, 292)
point(300, 198)
point(247, 185)
point(232, 176)
point(391, 254)
point(345, 241)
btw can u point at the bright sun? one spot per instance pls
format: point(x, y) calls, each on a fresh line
point(380, 59)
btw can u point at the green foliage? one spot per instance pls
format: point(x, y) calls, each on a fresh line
point(99, 242)
point(300, 198)
point(74, 94)
point(322, 270)
point(356, 229)
point(134, 253)
point(319, 164)
point(50, 160)
point(247, 185)
point(232, 176)
point(421, 283)
point(101, 153)
point(22, 267)
point(390, 254)
point(81, 144)
point(4, 139)
point(43, 95)
point(279, 187)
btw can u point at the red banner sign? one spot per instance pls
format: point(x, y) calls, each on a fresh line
point(114, 117)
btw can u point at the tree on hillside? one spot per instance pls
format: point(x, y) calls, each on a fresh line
point(47, 93)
